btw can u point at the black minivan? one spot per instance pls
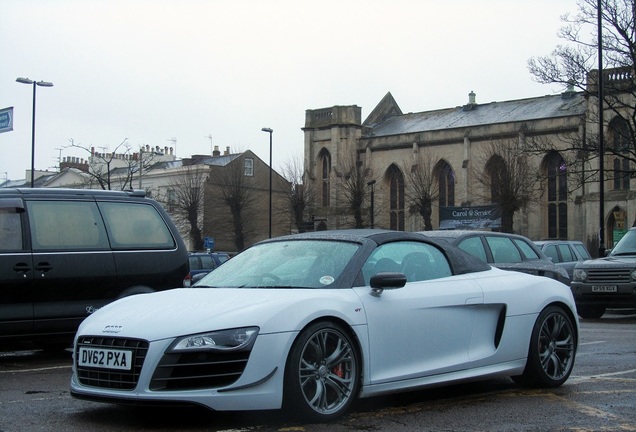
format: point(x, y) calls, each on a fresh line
point(64, 253)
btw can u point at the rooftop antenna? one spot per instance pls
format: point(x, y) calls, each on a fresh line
point(59, 157)
point(211, 148)
point(174, 145)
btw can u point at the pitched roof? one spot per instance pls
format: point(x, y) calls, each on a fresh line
point(544, 107)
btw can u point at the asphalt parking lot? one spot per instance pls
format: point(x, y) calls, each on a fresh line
point(599, 396)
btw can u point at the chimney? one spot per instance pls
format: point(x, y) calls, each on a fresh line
point(216, 151)
point(227, 151)
point(471, 101)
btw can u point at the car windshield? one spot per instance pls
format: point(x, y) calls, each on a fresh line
point(284, 264)
point(626, 245)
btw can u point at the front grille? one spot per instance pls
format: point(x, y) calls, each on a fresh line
point(111, 378)
point(609, 276)
point(197, 370)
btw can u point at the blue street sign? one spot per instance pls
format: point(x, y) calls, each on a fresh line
point(208, 243)
point(6, 119)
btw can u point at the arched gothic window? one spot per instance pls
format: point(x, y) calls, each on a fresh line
point(324, 159)
point(556, 171)
point(619, 143)
point(395, 179)
point(446, 183)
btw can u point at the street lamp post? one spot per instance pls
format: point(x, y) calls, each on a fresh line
point(270, 131)
point(42, 84)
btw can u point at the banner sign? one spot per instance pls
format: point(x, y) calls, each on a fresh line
point(473, 217)
point(6, 119)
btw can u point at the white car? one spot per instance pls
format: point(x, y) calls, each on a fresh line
point(312, 321)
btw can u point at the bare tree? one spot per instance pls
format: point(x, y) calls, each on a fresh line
point(575, 66)
point(424, 188)
point(114, 169)
point(507, 178)
point(352, 182)
point(299, 196)
point(184, 200)
point(235, 194)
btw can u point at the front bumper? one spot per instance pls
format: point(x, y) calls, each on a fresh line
point(259, 387)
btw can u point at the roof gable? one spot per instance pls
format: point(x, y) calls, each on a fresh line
point(386, 109)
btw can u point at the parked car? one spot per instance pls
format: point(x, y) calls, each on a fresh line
point(564, 253)
point(202, 263)
point(607, 282)
point(65, 253)
point(310, 322)
point(503, 250)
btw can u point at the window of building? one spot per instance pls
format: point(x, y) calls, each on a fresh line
point(619, 145)
point(396, 198)
point(557, 196)
point(446, 182)
point(325, 163)
point(249, 167)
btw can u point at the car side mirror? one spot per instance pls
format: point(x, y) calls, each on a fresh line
point(386, 280)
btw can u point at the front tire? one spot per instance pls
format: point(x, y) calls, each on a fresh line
point(552, 350)
point(322, 375)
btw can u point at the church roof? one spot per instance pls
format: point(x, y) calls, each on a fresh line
point(472, 115)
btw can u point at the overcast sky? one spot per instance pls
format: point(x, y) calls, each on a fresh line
point(150, 71)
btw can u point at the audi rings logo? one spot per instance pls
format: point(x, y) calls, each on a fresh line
point(112, 329)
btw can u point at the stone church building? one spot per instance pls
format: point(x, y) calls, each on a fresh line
point(457, 145)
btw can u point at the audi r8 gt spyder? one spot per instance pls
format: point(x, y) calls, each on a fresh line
point(310, 322)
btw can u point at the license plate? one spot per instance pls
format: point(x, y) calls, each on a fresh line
point(604, 288)
point(105, 358)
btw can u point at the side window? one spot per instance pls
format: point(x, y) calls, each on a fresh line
point(503, 250)
point(135, 226)
point(195, 263)
point(582, 251)
point(207, 262)
point(10, 230)
point(66, 225)
point(475, 247)
point(566, 253)
point(551, 252)
point(418, 261)
point(526, 249)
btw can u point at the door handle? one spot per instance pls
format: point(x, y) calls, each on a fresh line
point(43, 266)
point(22, 267)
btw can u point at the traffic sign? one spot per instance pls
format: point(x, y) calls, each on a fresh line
point(6, 119)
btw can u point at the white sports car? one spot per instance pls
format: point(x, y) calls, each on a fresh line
point(310, 322)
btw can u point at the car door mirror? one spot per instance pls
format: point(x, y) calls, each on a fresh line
point(386, 280)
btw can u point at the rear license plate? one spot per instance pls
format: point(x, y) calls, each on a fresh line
point(105, 358)
point(604, 288)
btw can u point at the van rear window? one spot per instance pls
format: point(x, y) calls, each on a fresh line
point(135, 226)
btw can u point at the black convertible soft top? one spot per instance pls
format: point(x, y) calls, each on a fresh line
point(461, 262)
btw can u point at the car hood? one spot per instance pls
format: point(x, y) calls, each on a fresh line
point(610, 261)
point(186, 311)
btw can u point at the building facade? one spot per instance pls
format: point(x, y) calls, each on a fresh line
point(455, 147)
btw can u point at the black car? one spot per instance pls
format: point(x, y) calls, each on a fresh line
point(503, 250)
point(608, 282)
point(564, 253)
point(65, 253)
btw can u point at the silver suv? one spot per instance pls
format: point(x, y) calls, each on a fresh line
point(608, 282)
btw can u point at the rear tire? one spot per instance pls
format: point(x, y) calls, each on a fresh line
point(322, 375)
point(552, 350)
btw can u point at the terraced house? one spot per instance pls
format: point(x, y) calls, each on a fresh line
point(534, 161)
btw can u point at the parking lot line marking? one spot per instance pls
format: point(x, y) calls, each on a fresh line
point(35, 370)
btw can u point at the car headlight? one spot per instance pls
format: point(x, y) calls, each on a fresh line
point(633, 274)
point(579, 275)
point(223, 340)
